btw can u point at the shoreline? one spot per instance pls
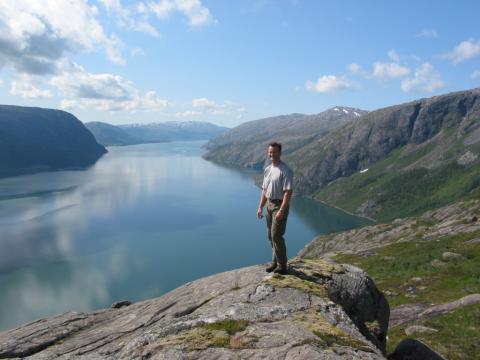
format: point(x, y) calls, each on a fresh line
point(345, 211)
point(257, 173)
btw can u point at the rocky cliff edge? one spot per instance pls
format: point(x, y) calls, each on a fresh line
point(320, 310)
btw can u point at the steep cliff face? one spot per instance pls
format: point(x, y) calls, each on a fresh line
point(35, 139)
point(319, 310)
point(398, 161)
point(449, 125)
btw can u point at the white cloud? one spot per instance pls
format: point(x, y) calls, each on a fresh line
point(128, 17)
point(1, 82)
point(227, 108)
point(217, 112)
point(356, 69)
point(25, 89)
point(464, 51)
point(145, 27)
point(392, 54)
point(475, 75)
point(66, 104)
point(426, 79)
point(203, 103)
point(114, 6)
point(103, 92)
point(197, 14)
point(329, 83)
point(389, 70)
point(35, 35)
point(187, 113)
point(427, 33)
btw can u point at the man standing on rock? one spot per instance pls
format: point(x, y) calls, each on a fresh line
point(276, 193)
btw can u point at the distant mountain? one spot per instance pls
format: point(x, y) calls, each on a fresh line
point(397, 161)
point(34, 139)
point(107, 134)
point(245, 145)
point(393, 162)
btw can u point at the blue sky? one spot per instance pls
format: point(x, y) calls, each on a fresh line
point(231, 61)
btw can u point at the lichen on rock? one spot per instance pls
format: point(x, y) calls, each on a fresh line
point(245, 313)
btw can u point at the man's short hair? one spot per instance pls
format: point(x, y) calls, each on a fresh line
point(277, 145)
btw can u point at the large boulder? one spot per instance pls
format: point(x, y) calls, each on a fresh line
point(319, 310)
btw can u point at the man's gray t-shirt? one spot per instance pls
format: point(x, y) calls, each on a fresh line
point(277, 180)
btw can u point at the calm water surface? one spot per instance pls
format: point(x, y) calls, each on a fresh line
point(142, 221)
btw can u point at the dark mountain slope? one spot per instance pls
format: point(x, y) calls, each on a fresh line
point(107, 134)
point(419, 155)
point(35, 139)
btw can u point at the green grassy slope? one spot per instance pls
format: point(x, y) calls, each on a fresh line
point(404, 272)
point(395, 187)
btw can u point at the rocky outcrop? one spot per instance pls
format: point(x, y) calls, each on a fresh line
point(319, 310)
point(412, 349)
point(421, 311)
point(449, 220)
point(107, 134)
point(427, 267)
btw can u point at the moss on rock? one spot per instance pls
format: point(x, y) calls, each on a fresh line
point(292, 281)
point(328, 335)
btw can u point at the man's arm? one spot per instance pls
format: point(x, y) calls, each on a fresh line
point(263, 200)
point(285, 203)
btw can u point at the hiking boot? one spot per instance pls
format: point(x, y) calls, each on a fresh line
point(271, 267)
point(280, 270)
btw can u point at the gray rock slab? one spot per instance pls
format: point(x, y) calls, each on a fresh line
point(449, 256)
point(319, 310)
point(419, 329)
point(412, 312)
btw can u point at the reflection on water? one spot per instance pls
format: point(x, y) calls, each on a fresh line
point(143, 220)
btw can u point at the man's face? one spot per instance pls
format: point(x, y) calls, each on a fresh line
point(274, 154)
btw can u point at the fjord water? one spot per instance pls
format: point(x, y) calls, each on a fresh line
point(143, 220)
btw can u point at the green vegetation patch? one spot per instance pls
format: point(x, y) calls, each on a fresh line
point(399, 192)
point(408, 272)
point(413, 272)
point(229, 326)
point(306, 273)
point(197, 338)
point(203, 336)
point(294, 282)
point(457, 335)
point(327, 334)
point(316, 267)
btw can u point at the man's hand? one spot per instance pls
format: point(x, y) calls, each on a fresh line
point(260, 213)
point(279, 215)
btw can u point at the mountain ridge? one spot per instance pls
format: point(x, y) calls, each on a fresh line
point(372, 164)
point(245, 145)
point(398, 161)
point(138, 133)
point(34, 139)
